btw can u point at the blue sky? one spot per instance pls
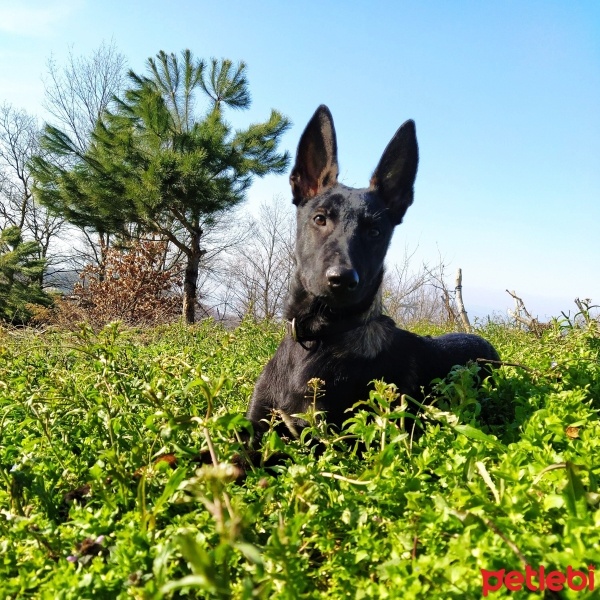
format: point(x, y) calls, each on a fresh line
point(505, 95)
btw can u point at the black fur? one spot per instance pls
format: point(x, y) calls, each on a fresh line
point(337, 331)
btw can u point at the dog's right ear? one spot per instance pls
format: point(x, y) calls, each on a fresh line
point(316, 168)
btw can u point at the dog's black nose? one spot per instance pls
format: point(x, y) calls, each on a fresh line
point(340, 278)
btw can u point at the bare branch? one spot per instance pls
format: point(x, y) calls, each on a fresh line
point(77, 94)
point(257, 273)
point(459, 301)
point(530, 322)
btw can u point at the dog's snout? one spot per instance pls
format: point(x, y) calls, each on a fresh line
point(340, 278)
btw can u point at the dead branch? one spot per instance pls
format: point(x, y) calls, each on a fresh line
point(530, 322)
point(503, 363)
point(459, 302)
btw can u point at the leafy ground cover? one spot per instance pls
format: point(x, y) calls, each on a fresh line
point(102, 494)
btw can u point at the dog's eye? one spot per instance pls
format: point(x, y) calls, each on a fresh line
point(374, 232)
point(320, 220)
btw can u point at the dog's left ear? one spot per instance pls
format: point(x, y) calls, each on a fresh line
point(316, 168)
point(395, 174)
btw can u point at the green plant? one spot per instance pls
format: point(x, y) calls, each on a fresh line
point(104, 492)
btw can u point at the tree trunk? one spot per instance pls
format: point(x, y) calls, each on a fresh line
point(191, 279)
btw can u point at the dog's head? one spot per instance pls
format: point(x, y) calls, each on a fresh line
point(343, 232)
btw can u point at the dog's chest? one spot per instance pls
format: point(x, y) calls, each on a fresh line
point(337, 379)
point(323, 369)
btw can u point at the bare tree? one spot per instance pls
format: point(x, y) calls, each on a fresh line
point(79, 92)
point(19, 135)
point(258, 272)
point(453, 311)
point(225, 235)
point(422, 295)
point(18, 142)
point(404, 291)
point(76, 95)
point(412, 295)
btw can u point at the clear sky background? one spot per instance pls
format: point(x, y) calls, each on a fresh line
point(505, 95)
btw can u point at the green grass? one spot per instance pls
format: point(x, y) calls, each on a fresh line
point(502, 476)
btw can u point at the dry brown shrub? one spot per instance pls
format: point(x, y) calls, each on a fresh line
point(131, 287)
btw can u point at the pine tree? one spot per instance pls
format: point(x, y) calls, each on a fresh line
point(20, 273)
point(155, 163)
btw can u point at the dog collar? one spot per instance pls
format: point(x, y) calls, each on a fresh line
point(291, 328)
point(332, 329)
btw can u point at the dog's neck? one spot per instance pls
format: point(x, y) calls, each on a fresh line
point(310, 319)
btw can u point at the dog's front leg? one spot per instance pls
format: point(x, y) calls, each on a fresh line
point(262, 405)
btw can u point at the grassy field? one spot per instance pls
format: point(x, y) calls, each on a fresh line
point(102, 495)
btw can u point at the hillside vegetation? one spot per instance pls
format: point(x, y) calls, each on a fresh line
point(102, 494)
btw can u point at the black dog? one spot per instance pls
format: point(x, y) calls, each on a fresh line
point(336, 329)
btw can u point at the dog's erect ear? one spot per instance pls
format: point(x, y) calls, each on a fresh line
point(316, 167)
point(395, 174)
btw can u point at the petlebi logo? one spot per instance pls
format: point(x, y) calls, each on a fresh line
point(538, 580)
